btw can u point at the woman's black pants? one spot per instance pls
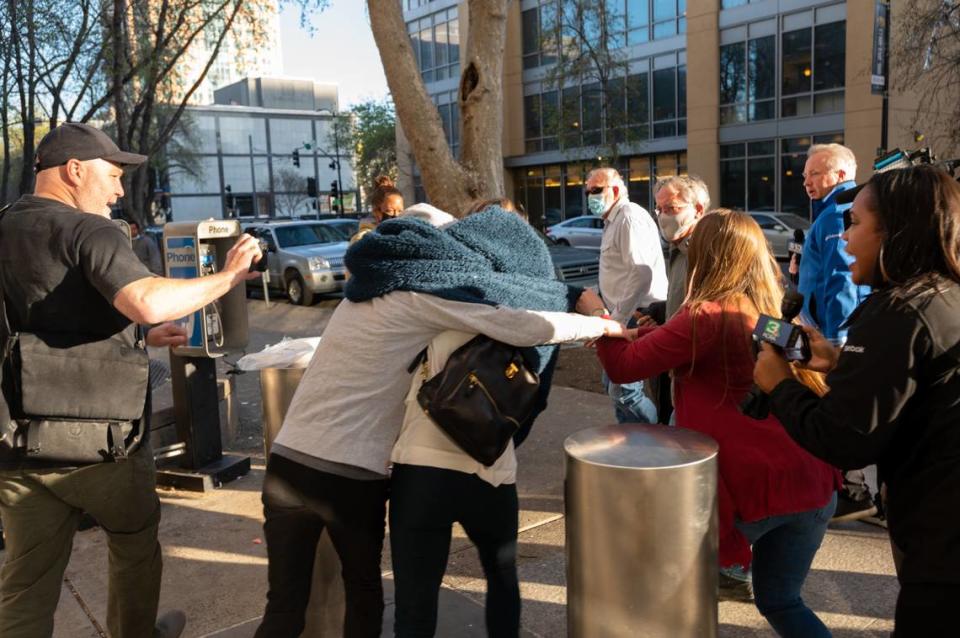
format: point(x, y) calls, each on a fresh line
point(299, 503)
point(424, 504)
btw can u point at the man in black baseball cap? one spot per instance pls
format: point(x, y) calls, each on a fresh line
point(69, 279)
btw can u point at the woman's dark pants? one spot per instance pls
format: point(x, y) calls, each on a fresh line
point(299, 503)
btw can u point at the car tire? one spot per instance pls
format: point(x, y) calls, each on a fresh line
point(297, 291)
point(563, 242)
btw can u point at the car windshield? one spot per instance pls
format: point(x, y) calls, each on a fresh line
point(346, 230)
point(306, 235)
point(794, 221)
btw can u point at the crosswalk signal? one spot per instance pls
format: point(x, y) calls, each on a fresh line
point(296, 157)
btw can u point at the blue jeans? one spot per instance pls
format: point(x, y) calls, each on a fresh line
point(783, 549)
point(629, 401)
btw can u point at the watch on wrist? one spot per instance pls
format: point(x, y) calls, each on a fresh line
point(600, 312)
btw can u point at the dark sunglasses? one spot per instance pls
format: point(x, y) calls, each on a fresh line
point(596, 190)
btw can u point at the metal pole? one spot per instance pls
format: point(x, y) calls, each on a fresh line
point(253, 178)
point(885, 111)
point(336, 147)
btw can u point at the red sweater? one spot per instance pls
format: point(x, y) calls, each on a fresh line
point(762, 471)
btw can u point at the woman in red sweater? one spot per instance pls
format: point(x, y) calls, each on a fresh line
point(773, 494)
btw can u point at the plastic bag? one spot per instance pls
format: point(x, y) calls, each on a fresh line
point(289, 353)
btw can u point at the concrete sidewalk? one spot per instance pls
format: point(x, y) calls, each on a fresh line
point(215, 561)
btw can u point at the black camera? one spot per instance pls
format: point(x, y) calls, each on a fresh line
point(260, 266)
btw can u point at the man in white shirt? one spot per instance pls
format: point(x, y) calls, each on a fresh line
point(632, 274)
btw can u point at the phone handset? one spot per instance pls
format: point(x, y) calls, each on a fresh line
point(212, 322)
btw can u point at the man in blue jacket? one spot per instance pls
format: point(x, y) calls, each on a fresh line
point(829, 294)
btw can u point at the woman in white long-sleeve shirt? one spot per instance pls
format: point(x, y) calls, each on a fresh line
point(328, 466)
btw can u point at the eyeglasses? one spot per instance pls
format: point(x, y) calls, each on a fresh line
point(671, 209)
point(596, 190)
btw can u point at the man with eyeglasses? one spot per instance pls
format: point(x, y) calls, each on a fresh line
point(632, 274)
point(829, 294)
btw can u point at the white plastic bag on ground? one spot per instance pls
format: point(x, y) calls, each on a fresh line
point(289, 353)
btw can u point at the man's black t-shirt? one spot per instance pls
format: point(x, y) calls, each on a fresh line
point(60, 269)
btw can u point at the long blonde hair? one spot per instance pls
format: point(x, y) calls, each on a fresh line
point(730, 263)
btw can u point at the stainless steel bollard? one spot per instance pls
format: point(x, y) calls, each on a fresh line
point(641, 530)
point(277, 386)
point(324, 617)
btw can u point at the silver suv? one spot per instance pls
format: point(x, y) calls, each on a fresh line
point(305, 258)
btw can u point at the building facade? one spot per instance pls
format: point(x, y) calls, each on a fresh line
point(256, 152)
point(243, 52)
point(734, 91)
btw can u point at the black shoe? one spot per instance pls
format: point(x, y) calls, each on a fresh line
point(170, 624)
point(853, 509)
point(735, 589)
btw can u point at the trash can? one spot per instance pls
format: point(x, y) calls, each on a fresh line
point(277, 386)
point(641, 532)
point(324, 617)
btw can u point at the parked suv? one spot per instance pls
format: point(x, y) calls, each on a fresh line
point(305, 258)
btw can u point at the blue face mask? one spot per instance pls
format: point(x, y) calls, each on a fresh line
point(596, 205)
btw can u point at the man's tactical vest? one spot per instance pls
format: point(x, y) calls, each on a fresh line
point(69, 397)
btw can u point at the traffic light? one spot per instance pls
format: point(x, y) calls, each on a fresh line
point(296, 157)
point(231, 200)
point(334, 190)
point(311, 187)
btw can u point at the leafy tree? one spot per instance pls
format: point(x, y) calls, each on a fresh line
point(925, 60)
point(371, 132)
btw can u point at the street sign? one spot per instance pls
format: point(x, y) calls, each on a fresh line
point(878, 66)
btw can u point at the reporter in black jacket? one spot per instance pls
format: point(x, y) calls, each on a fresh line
point(894, 395)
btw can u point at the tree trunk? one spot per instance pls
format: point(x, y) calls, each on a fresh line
point(481, 96)
point(449, 186)
point(4, 124)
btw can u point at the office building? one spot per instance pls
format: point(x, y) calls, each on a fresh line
point(255, 151)
point(731, 90)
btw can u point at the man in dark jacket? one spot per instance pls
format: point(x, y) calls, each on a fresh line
point(829, 294)
point(68, 273)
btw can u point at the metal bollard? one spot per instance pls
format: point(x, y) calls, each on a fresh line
point(641, 532)
point(324, 618)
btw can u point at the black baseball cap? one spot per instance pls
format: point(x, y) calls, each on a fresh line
point(73, 140)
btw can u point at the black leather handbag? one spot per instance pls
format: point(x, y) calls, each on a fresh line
point(481, 397)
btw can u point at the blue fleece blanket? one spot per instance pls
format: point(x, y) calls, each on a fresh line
point(493, 257)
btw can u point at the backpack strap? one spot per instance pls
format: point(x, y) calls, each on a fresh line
point(9, 337)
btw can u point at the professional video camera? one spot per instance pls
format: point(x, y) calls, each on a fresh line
point(787, 337)
point(898, 158)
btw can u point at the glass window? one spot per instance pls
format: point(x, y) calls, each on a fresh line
point(531, 38)
point(571, 117)
point(236, 134)
point(796, 62)
point(733, 183)
point(531, 116)
point(638, 13)
point(733, 74)
point(592, 98)
point(287, 134)
point(664, 94)
point(663, 9)
point(829, 54)
point(453, 42)
point(638, 181)
point(762, 68)
point(761, 183)
point(206, 179)
point(548, 34)
point(616, 105)
point(573, 191)
point(682, 90)
point(765, 221)
point(638, 104)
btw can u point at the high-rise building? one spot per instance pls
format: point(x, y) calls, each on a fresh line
point(243, 53)
point(731, 90)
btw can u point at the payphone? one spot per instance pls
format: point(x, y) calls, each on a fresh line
point(199, 249)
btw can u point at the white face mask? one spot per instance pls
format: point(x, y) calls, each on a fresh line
point(674, 226)
point(596, 205)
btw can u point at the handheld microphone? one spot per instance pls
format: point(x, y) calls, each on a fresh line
point(783, 335)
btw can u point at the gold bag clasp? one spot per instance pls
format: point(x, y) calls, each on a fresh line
point(511, 371)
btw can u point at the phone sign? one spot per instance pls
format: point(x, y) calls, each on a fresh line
point(180, 254)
